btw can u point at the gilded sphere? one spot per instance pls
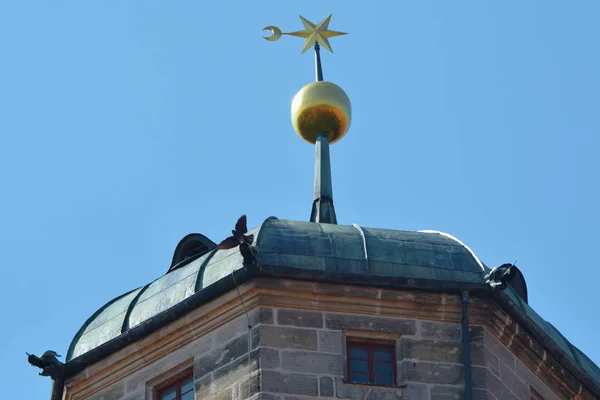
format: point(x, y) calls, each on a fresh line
point(321, 107)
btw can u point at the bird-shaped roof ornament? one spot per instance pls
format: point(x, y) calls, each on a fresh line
point(239, 238)
point(499, 277)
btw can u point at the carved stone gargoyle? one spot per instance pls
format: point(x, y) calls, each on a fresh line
point(499, 277)
point(48, 362)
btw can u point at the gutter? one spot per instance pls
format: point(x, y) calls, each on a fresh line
point(466, 339)
point(58, 386)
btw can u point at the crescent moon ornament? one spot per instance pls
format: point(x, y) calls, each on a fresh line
point(312, 34)
point(276, 33)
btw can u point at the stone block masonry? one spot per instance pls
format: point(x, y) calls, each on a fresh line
point(300, 354)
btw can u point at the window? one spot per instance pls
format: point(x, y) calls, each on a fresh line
point(180, 388)
point(371, 363)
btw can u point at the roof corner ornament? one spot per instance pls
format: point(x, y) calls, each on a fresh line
point(499, 277)
point(321, 114)
point(239, 238)
point(48, 363)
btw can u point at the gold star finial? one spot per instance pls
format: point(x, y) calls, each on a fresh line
point(314, 34)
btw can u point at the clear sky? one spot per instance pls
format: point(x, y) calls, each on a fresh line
point(125, 125)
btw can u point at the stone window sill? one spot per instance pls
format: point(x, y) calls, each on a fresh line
point(346, 381)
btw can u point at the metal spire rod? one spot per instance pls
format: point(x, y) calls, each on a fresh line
point(322, 208)
point(318, 68)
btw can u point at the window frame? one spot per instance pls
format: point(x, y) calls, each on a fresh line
point(371, 346)
point(177, 381)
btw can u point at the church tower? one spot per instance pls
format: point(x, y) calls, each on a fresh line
point(316, 309)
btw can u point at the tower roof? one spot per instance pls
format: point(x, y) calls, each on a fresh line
point(284, 247)
point(349, 254)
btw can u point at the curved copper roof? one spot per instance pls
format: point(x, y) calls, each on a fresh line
point(426, 259)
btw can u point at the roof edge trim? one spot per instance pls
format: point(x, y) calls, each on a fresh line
point(449, 236)
point(88, 322)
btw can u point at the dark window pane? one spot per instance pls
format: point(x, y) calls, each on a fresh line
point(187, 385)
point(169, 394)
point(384, 380)
point(361, 378)
point(359, 366)
point(383, 368)
point(188, 396)
point(358, 352)
point(383, 354)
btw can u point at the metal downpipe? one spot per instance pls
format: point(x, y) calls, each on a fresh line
point(58, 386)
point(466, 339)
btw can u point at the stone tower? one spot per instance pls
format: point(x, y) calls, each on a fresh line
point(318, 309)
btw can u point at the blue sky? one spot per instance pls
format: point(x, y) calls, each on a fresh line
point(126, 125)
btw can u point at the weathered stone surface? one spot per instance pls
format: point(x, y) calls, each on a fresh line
point(255, 337)
point(312, 363)
point(114, 392)
point(476, 334)
point(266, 315)
point(484, 379)
point(482, 394)
point(479, 376)
point(349, 391)
point(269, 396)
point(202, 387)
point(440, 331)
point(139, 395)
point(367, 323)
point(413, 391)
point(269, 358)
point(308, 319)
point(237, 327)
point(248, 387)
point(221, 356)
point(428, 350)
point(331, 342)
point(278, 382)
point(524, 373)
point(432, 372)
point(325, 386)
point(235, 371)
point(225, 394)
point(512, 382)
point(196, 348)
point(284, 337)
point(344, 290)
point(447, 393)
point(498, 349)
point(425, 299)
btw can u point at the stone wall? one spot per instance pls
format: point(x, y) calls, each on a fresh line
point(302, 354)
point(297, 349)
point(502, 374)
point(221, 365)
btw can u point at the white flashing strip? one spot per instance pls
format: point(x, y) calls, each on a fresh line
point(364, 238)
point(449, 236)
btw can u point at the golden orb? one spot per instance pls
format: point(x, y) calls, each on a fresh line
point(321, 107)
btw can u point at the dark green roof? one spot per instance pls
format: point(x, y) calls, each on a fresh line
point(418, 260)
